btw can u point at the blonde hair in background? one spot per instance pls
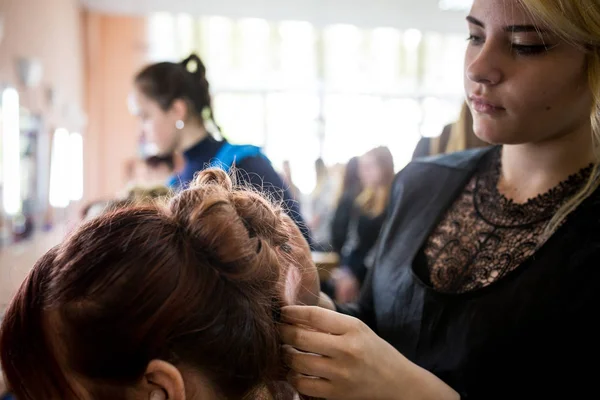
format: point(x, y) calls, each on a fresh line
point(461, 136)
point(372, 201)
point(577, 22)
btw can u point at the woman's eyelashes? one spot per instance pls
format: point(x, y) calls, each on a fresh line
point(519, 49)
point(531, 49)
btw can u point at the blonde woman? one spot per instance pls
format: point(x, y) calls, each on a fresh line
point(485, 284)
point(376, 172)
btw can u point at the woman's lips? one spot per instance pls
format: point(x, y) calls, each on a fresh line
point(483, 106)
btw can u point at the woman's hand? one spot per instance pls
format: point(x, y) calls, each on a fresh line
point(334, 356)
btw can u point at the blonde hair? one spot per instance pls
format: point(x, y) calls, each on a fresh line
point(577, 22)
point(461, 136)
point(372, 201)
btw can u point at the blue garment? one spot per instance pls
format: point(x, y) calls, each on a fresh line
point(252, 167)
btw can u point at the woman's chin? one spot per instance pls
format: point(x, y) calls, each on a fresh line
point(496, 137)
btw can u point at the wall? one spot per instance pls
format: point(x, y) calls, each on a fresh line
point(89, 59)
point(50, 33)
point(115, 51)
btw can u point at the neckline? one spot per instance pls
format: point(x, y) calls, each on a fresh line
point(500, 211)
point(423, 281)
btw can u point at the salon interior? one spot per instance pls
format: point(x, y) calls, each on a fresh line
point(314, 84)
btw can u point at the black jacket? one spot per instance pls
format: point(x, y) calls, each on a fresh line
point(531, 335)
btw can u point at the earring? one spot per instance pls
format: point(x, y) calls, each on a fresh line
point(179, 124)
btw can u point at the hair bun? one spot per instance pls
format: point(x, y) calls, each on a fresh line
point(194, 65)
point(213, 176)
point(238, 245)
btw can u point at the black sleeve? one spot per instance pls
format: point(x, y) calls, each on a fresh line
point(259, 172)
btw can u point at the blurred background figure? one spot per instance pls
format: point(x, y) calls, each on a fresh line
point(350, 188)
point(135, 195)
point(321, 205)
point(160, 168)
point(457, 136)
point(174, 105)
point(287, 177)
point(365, 218)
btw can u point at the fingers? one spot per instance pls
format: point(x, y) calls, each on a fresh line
point(308, 364)
point(309, 341)
point(310, 386)
point(318, 318)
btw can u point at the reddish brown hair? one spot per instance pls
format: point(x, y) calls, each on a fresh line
point(196, 282)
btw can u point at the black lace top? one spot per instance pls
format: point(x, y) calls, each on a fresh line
point(484, 235)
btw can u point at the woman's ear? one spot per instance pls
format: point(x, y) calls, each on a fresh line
point(179, 110)
point(163, 381)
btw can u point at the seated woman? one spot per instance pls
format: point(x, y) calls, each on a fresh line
point(174, 301)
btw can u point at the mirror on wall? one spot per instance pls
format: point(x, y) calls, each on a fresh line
point(23, 171)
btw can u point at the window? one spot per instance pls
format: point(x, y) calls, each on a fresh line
point(303, 92)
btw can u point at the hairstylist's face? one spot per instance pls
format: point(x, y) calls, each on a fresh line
point(157, 126)
point(523, 83)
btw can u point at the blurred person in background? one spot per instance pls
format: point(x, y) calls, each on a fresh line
point(455, 137)
point(165, 301)
point(173, 103)
point(135, 195)
point(365, 218)
point(350, 188)
point(321, 207)
point(288, 179)
point(161, 168)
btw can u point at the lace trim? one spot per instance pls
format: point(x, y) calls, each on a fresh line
point(484, 235)
point(500, 211)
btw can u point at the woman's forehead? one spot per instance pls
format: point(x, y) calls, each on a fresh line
point(504, 13)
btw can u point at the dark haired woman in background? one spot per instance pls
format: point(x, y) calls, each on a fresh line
point(173, 102)
point(155, 302)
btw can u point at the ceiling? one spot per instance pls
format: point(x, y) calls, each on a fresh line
point(403, 14)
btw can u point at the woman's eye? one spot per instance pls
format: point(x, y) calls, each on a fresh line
point(474, 39)
point(527, 50)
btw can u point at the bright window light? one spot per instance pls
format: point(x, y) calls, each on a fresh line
point(11, 152)
point(412, 38)
point(76, 167)
point(59, 170)
point(456, 5)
